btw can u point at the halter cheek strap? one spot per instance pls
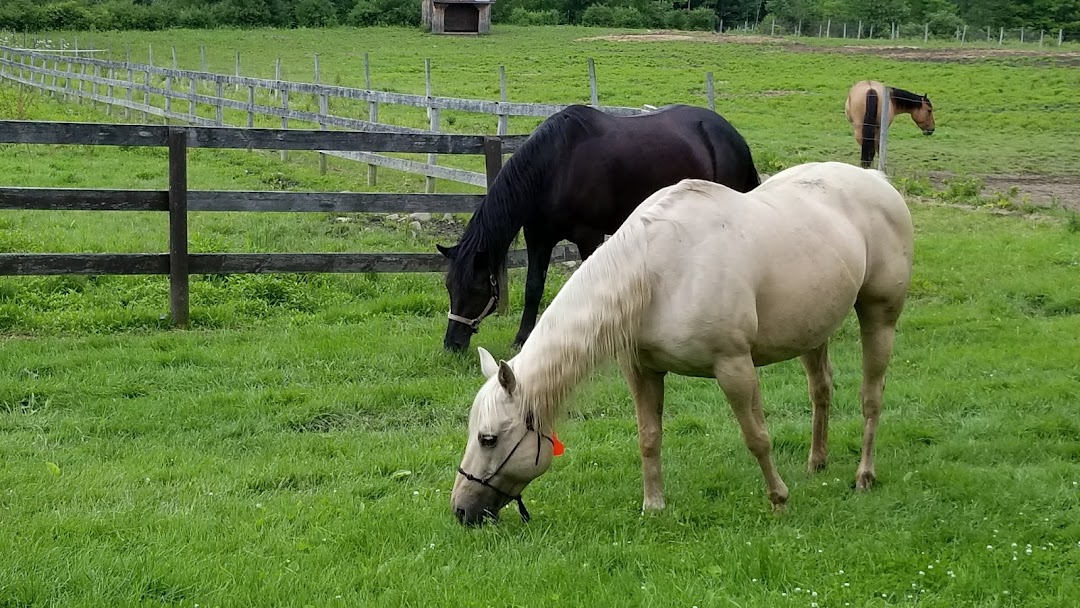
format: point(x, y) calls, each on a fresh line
point(492, 302)
point(486, 482)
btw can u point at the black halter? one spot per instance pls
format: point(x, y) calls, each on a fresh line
point(486, 482)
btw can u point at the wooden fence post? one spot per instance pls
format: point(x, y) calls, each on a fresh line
point(709, 91)
point(883, 129)
point(202, 56)
point(433, 114)
point(504, 119)
point(1061, 36)
point(492, 166)
point(131, 83)
point(284, 104)
point(220, 104)
point(324, 109)
point(109, 89)
point(178, 232)
point(373, 116)
point(593, 95)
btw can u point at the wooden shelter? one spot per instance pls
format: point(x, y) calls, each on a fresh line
point(457, 16)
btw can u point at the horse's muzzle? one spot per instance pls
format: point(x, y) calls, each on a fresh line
point(474, 518)
point(458, 336)
point(928, 131)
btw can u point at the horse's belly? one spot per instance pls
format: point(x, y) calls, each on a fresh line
point(793, 326)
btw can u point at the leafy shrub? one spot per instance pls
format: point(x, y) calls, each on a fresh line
point(521, 16)
point(315, 13)
point(675, 20)
point(384, 12)
point(598, 15)
point(701, 19)
point(627, 16)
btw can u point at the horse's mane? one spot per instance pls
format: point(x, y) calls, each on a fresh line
point(906, 100)
point(593, 318)
point(522, 182)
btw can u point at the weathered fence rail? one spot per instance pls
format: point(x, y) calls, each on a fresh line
point(180, 92)
point(178, 201)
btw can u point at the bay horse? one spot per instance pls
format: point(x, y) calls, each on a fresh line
point(863, 110)
point(577, 177)
point(704, 281)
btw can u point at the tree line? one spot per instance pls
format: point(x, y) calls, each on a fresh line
point(944, 16)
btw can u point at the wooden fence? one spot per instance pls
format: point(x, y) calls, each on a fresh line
point(174, 94)
point(178, 201)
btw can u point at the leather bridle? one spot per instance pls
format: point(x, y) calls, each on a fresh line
point(486, 481)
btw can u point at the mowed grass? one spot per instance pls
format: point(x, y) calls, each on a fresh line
point(297, 447)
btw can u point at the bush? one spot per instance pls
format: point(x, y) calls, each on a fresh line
point(943, 24)
point(627, 16)
point(675, 20)
point(384, 12)
point(598, 15)
point(701, 19)
point(315, 13)
point(521, 16)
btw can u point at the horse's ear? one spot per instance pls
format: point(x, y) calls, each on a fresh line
point(506, 377)
point(448, 252)
point(487, 363)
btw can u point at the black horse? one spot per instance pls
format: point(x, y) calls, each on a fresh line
point(577, 177)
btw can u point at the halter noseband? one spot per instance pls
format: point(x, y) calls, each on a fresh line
point(492, 302)
point(486, 482)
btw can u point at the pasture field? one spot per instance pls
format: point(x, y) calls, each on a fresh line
point(297, 446)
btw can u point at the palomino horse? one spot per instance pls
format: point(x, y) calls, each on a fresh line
point(577, 178)
point(704, 281)
point(863, 109)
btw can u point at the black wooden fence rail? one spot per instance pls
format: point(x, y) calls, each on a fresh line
point(178, 201)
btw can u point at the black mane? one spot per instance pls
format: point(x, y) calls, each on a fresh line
point(906, 100)
point(518, 189)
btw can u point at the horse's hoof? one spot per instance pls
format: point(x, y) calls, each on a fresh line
point(815, 465)
point(864, 480)
point(654, 505)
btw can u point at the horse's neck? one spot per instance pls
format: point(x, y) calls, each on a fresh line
point(593, 318)
point(505, 211)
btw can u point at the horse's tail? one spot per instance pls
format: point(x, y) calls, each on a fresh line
point(726, 135)
point(869, 128)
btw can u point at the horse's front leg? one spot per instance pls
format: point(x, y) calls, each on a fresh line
point(647, 387)
point(539, 259)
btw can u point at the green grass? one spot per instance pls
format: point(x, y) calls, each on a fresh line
point(298, 445)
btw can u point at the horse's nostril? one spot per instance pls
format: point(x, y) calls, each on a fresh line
point(460, 513)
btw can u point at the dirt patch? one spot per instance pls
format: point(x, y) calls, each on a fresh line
point(900, 52)
point(1042, 190)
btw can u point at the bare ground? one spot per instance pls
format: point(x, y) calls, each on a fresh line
point(1042, 190)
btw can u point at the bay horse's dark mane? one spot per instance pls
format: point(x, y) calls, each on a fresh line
point(520, 184)
point(906, 100)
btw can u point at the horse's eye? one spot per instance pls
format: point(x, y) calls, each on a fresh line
point(489, 441)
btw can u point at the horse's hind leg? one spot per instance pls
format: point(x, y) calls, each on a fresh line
point(647, 388)
point(819, 379)
point(739, 380)
point(877, 327)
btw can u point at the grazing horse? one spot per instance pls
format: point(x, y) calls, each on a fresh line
point(577, 177)
point(704, 281)
point(863, 109)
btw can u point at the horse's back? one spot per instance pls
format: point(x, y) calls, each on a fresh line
point(776, 270)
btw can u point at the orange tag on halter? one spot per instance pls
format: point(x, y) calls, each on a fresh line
point(557, 447)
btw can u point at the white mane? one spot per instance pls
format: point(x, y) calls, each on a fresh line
point(593, 318)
